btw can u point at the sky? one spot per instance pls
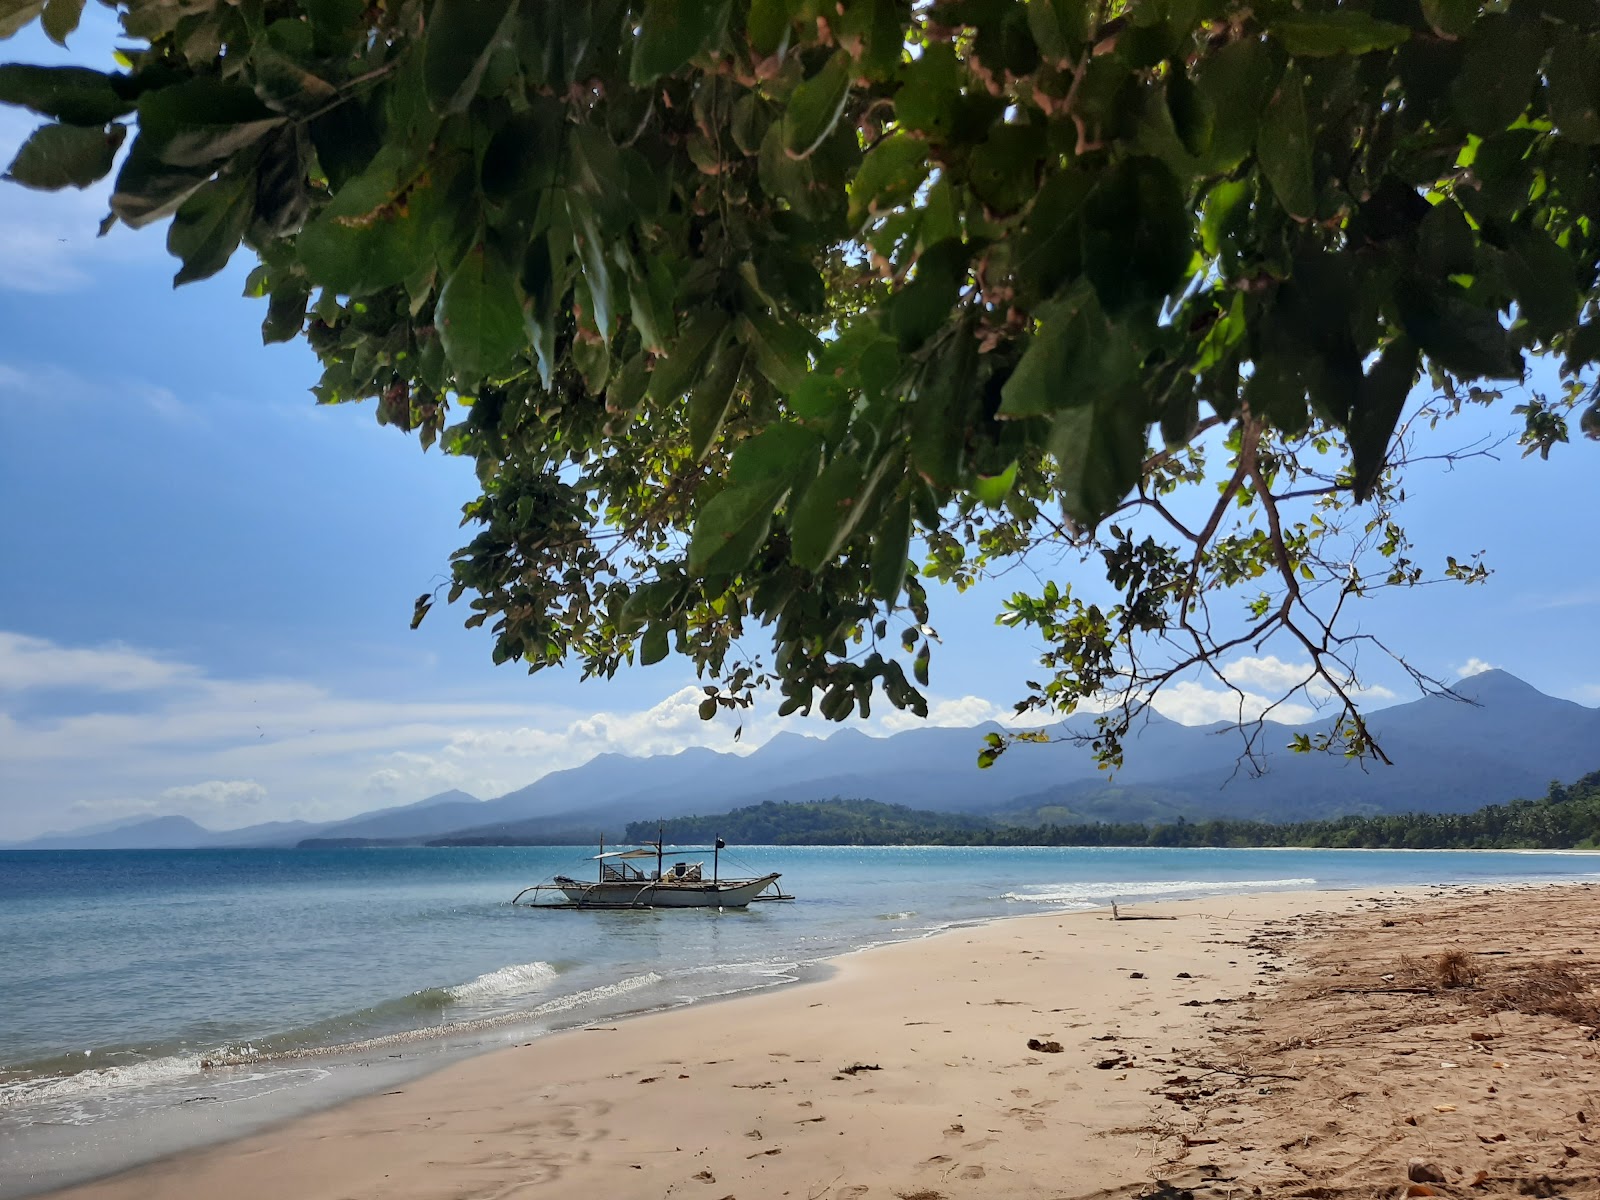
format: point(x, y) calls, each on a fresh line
point(206, 580)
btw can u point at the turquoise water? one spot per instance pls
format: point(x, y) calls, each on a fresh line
point(141, 989)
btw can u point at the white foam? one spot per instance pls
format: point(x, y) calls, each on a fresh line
point(515, 980)
point(151, 1073)
point(595, 995)
point(1083, 894)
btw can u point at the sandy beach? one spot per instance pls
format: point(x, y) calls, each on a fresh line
point(1308, 1044)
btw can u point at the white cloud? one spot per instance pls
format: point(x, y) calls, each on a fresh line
point(236, 751)
point(56, 386)
point(1192, 703)
point(225, 792)
point(1269, 672)
point(28, 663)
point(959, 713)
point(1474, 666)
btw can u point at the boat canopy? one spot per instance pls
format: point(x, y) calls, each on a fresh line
point(641, 852)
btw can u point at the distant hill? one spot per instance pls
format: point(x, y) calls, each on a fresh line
point(1508, 740)
point(1565, 818)
point(181, 833)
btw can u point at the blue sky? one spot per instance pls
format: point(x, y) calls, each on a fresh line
point(206, 581)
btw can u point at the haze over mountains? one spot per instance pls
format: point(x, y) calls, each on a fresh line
point(1448, 755)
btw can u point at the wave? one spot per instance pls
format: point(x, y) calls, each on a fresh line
point(516, 980)
point(313, 1043)
point(1090, 893)
point(154, 1072)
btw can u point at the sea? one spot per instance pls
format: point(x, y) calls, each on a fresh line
point(151, 1001)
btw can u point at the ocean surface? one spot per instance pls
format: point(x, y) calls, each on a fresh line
point(153, 1000)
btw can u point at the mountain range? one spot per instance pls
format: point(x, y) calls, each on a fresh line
point(1502, 740)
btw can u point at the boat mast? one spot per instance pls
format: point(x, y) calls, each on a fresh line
point(661, 828)
point(716, 857)
point(600, 863)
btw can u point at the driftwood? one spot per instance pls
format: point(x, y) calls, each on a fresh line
point(1117, 916)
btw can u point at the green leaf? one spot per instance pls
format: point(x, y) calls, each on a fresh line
point(1445, 244)
point(72, 95)
point(286, 312)
point(1222, 205)
point(1003, 169)
point(920, 309)
point(711, 398)
point(653, 646)
point(1049, 250)
point(1341, 31)
point(889, 176)
point(207, 229)
point(16, 15)
point(461, 36)
point(733, 526)
point(891, 549)
point(1075, 355)
point(946, 401)
point(1379, 404)
point(1233, 85)
point(479, 317)
point(1452, 18)
point(1059, 27)
point(59, 156)
point(671, 32)
point(1100, 449)
point(200, 122)
point(1574, 75)
point(592, 357)
point(61, 17)
point(930, 91)
point(992, 490)
point(1545, 282)
point(1499, 73)
point(675, 374)
point(767, 25)
point(1464, 339)
point(815, 106)
point(1136, 229)
point(919, 665)
point(786, 452)
point(366, 239)
point(590, 242)
point(1283, 147)
point(828, 513)
point(782, 350)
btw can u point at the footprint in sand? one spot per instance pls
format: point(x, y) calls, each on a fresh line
point(852, 1191)
point(972, 1172)
point(1021, 1093)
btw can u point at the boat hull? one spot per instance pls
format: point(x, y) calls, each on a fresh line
point(731, 893)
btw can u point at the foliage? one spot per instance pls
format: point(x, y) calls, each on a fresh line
point(834, 822)
point(1566, 817)
point(738, 304)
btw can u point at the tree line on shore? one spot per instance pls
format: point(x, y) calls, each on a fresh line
point(1566, 817)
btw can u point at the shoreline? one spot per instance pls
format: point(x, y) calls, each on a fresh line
point(474, 1068)
point(449, 1067)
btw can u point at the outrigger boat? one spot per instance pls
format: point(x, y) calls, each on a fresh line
point(623, 884)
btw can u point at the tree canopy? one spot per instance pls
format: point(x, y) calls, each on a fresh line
point(757, 314)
